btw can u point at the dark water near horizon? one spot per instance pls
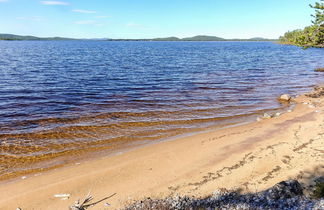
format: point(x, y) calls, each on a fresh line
point(61, 98)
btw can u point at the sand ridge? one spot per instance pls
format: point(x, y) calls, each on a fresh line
point(251, 157)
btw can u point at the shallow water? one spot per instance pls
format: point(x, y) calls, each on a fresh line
point(62, 98)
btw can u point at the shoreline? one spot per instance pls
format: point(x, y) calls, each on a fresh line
point(85, 155)
point(253, 156)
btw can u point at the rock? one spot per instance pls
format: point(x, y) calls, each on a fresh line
point(258, 119)
point(277, 114)
point(285, 189)
point(319, 180)
point(285, 97)
point(311, 106)
point(289, 110)
point(318, 92)
point(267, 116)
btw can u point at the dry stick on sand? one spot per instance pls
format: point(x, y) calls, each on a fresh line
point(84, 205)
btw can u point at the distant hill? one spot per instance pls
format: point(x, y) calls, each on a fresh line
point(18, 37)
point(203, 38)
point(195, 38)
point(258, 39)
point(166, 39)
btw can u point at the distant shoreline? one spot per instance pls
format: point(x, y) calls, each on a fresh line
point(13, 37)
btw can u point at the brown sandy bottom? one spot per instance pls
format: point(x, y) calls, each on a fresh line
point(252, 157)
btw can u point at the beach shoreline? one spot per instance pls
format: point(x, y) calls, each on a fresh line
point(55, 162)
point(252, 156)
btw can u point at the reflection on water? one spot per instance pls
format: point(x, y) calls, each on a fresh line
point(60, 99)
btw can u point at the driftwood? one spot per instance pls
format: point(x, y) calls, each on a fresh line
point(85, 204)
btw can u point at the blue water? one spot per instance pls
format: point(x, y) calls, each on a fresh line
point(58, 97)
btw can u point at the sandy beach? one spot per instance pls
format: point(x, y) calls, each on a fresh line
point(253, 157)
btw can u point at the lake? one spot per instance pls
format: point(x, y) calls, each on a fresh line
point(60, 100)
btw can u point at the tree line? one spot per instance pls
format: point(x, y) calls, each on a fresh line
point(310, 36)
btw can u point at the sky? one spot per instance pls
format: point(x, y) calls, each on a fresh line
point(153, 18)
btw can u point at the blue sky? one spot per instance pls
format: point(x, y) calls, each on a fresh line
point(153, 18)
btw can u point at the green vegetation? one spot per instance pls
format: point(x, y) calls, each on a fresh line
point(310, 36)
point(319, 190)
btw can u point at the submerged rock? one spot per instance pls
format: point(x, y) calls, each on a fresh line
point(319, 70)
point(267, 116)
point(285, 97)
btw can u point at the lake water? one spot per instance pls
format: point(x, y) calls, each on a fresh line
point(62, 99)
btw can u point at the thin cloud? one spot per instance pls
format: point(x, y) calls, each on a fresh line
point(3, 1)
point(134, 25)
point(54, 3)
point(84, 11)
point(90, 22)
point(34, 18)
point(101, 17)
point(86, 22)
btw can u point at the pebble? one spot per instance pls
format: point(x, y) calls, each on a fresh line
point(311, 106)
point(258, 119)
point(62, 195)
point(24, 177)
point(289, 110)
point(277, 114)
point(267, 116)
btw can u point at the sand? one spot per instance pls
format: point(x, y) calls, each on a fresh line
point(252, 157)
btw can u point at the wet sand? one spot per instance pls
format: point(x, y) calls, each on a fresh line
point(252, 157)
